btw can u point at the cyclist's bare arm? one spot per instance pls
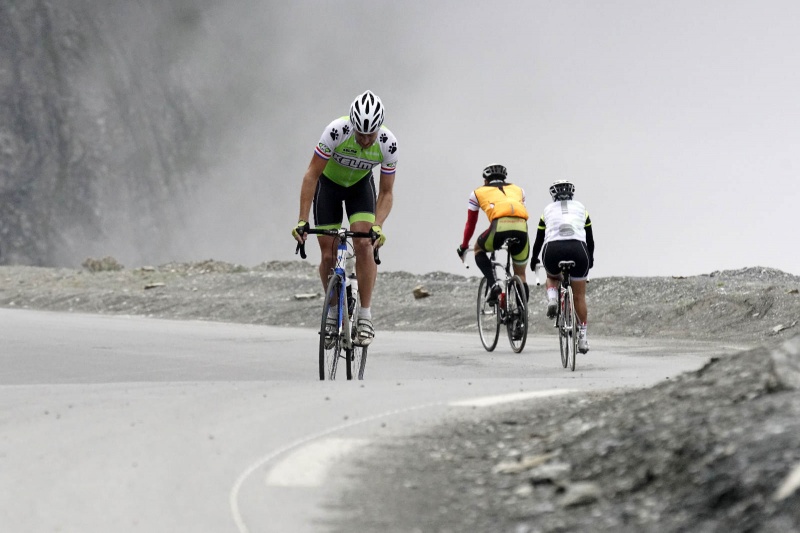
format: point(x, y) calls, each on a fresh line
point(314, 171)
point(385, 198)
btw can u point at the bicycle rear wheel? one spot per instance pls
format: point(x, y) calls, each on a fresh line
point(573, 332)
point(562, 322)
point(488, 318)
point(330, 345)
point(516, 314)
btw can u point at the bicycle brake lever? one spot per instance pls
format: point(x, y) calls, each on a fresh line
point(301, 248)
point(375, 256)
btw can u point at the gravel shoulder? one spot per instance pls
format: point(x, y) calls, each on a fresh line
point(713, 450)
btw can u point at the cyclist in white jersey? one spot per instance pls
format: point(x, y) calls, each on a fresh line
point(339, 178)
point(565, 234)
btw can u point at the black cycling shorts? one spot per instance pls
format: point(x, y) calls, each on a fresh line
point(359, 200)
point(569, 250)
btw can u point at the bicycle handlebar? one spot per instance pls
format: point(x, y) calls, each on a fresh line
point(301, 247)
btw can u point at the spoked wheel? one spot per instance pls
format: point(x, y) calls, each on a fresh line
point(517, 314)
point(356, 361)
point(573, 332)
point(330, 346)
point(357, 355)
point(568, 330)
point(562, 321)
point(488, 318)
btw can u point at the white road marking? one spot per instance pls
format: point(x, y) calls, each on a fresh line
point(789, 485)
point(233, 497)
point(507, 398)
point(309, 465)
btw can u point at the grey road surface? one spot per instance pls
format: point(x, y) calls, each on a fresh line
point(112, 423)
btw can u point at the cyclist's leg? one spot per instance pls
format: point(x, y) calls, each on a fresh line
point(580, 272)
point(580, 255)
point(517, 228)
point(327, 210)
point(486, 243)
point(579, 293)
point(360, 204)
point(551, 255)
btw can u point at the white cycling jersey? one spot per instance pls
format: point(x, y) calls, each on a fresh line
point(564, 220)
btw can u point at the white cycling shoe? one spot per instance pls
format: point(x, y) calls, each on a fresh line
point(364, 332)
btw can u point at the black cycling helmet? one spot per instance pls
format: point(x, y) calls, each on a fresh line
point(562, 190)
point(495, 172)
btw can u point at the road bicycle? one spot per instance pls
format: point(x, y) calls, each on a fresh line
point(336, 342)
point(566, 318)
point(511, 308)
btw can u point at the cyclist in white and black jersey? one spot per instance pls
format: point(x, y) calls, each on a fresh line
point(565, 234)
point(339, 179)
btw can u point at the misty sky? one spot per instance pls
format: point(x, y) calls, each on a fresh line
point(677, 121)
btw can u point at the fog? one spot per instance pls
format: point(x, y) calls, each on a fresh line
point(676, 121)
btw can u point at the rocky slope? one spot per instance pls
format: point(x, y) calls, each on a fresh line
point(748, 306)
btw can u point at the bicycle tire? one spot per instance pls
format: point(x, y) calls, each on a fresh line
point(516, 314)
point(573, 332)
point(561, 319)
point(356, 356)
point(488, 319)
point(329, 355)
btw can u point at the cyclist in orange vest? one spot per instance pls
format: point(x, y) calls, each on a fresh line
point(504, 204)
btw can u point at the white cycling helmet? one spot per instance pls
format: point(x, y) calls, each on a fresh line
point(366, 113)
point(562, 190)
point(496, 172)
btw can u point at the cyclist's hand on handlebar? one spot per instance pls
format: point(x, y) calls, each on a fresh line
point(534, 263)
point(462, 251)
point(299, 231)
point(378, 238)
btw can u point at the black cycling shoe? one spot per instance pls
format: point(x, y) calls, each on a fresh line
point(494, 293)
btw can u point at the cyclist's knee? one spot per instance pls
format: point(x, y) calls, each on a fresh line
point(362, 246)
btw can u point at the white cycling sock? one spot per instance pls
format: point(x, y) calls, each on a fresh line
point(552, 294)
point(364, 312)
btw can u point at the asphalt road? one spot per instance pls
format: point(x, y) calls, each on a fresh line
point(113, 423)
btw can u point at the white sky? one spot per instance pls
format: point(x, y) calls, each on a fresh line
point(678, 122)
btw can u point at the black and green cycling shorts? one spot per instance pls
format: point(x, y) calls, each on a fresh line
point(358, 200)
point(504, 228)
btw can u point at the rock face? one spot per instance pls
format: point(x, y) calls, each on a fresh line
point(99, 136)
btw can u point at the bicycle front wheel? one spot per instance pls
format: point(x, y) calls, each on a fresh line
point(488, 318)
point(517, 314)
point(356, 355)
point(356, 362)
point(330, 342)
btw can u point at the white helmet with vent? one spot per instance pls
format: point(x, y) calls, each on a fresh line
point(366, 113)
point(562, 190)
